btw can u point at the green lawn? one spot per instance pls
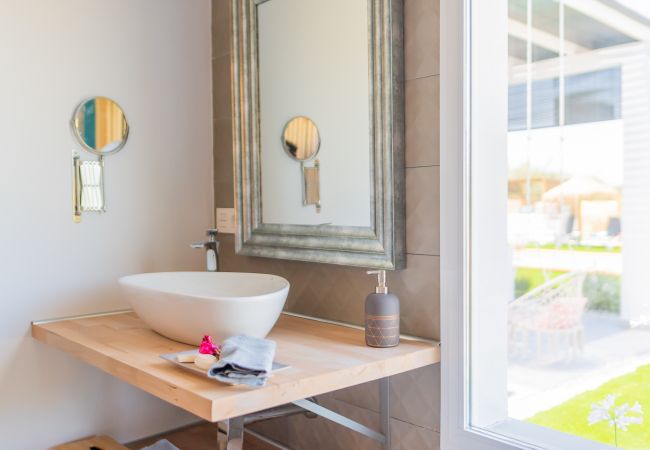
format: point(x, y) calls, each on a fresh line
point(577, 248)
point(571, 416)
point(527, 279)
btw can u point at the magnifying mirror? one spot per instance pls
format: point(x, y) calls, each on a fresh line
point(301, 141)
point(100, 126)
point(300, 138)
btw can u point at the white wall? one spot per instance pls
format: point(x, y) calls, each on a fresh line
point(635, 304)
point(152, 57)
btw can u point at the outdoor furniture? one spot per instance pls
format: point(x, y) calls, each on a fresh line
point(579, 189)
point(610, 238)
point(550, 316)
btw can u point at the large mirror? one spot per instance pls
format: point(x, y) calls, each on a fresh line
point(100, 126)
point(318, 130)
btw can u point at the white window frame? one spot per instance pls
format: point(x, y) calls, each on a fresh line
point(456, 135)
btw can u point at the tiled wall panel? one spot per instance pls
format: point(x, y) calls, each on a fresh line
point(338, 293)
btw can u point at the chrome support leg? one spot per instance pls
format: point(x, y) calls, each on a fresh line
point(235, 435)
point(384, 411)
point(272, 442)
point(235, 426)
point(280, 411)
point(383, 437)
point(340, 419)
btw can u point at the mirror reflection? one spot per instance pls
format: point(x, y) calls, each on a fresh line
point(100, 126)
point(301, 139)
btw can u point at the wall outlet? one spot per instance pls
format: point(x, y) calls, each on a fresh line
point(226, 220)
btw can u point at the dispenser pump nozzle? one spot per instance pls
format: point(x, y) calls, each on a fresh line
point(381, 287)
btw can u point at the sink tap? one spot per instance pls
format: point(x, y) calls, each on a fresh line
point(212, 250)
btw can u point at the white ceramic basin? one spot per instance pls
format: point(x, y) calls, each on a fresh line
point(184, 306)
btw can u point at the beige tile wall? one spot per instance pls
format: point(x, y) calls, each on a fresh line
point(338, 292)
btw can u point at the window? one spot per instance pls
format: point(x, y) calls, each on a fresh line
point(590, 97)
point(544, 224)
point(593, 96)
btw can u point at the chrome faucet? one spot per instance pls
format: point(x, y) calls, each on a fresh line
point(212, 250)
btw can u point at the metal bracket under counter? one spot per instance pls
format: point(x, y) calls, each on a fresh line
point(122, 345)
point(234, 427)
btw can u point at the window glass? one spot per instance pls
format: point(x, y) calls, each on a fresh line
point(560, 222)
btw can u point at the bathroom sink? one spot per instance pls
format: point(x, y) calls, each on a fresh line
point(184, 306)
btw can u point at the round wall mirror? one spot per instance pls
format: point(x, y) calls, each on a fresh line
point(301, 139)
point(100, 126)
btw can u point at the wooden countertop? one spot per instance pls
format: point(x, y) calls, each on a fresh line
point(323, 357)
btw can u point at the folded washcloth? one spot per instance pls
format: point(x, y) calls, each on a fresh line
point(163, 444)
point(244, 360)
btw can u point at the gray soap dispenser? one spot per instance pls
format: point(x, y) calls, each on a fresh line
point(382, 314)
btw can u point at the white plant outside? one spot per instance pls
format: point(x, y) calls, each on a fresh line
point(618, 417)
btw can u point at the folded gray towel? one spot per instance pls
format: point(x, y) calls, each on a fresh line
point(163, 444)
point(244, 360)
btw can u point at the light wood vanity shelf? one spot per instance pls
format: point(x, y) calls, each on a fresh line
point(323, 357)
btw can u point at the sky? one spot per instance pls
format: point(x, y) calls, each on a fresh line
point(640, 6)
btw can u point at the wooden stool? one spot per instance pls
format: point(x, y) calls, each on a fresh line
point(99, 442)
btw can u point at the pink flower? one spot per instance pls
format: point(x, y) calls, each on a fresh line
point(207, 346)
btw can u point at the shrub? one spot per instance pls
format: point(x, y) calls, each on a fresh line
point(522, 285)
point(603, 292)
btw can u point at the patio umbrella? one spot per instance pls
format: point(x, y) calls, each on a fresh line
point(579, 188)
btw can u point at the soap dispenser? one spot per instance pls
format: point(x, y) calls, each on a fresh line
point(382, 314)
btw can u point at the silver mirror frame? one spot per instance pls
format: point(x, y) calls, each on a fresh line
point(381, 245)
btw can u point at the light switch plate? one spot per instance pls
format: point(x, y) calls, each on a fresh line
point(226, 220)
